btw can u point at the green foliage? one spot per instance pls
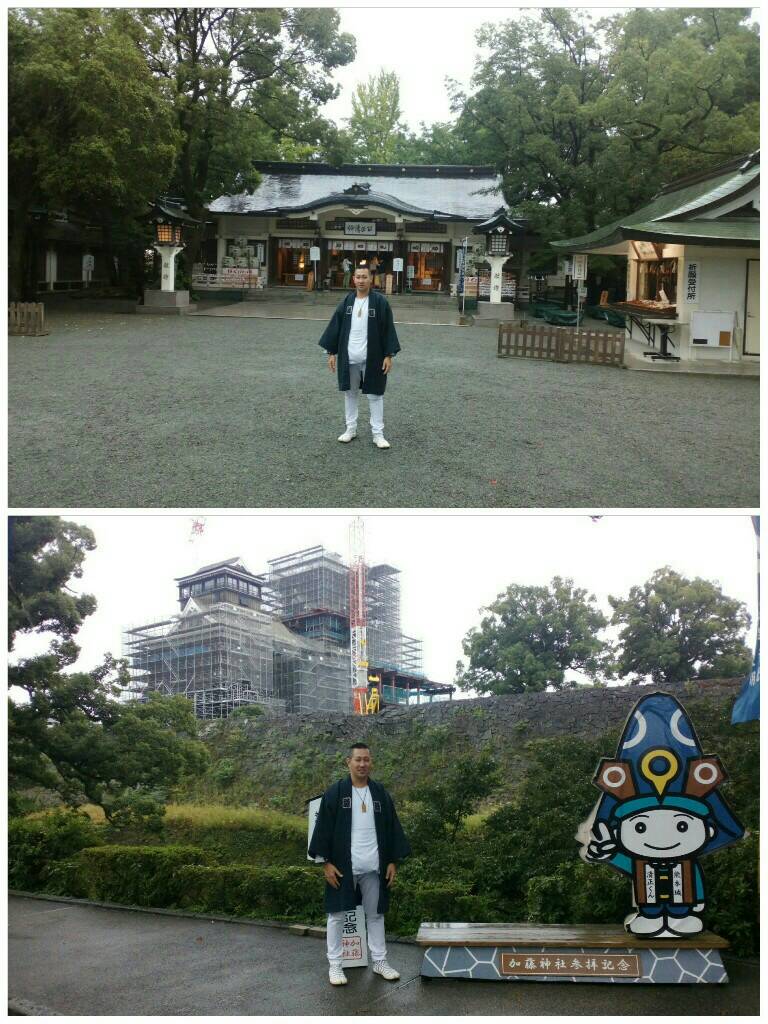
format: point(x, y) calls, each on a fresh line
point(234, 835)
point(68, 733)
point(223, 772)
point(137, 809)
point(242, 81)
point(91, 127)
point(277, 894)
point(586, 119)
point(733, 897)
point(248, 711)
point(439, 901)
point(531, 637)
point(576, 893)
point(375, 126)
point(45, 553)
point(675, 629)
point(37, 845)
point(446, 798)
point(142, 876)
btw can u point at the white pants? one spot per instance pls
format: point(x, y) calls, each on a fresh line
point(351, 398)
point(374, 922)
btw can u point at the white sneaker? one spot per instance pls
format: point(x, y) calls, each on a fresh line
point(388, 973)
point(380, 442)
point(336, 975)
point(347, 436)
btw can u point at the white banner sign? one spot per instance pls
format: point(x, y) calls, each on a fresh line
point(314, 253)
point(691, 282)
point(352, 227)
point(397, 264)
point(354, 944)
point(579, 272)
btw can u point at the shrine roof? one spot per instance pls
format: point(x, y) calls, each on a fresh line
point(709, 208)
point(446, 192)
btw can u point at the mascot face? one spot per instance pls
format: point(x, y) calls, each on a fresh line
point(663, 834)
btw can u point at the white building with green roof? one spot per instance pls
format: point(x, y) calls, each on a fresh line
point(693, 267)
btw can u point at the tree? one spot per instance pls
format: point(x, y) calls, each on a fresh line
point(242, 80)
point(586, 120)
point(44, 554)
point(674, 629)
point(69, 733)
point(90, 128)
point(449, 796)
point(375, 122)
point(531, 637)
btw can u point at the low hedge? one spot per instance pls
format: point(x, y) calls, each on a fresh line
point(276, 894)
point(231, 835)
point(38, 845)
point(142, 876)
point(296, 894)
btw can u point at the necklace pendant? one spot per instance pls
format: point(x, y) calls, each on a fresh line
point(364, 807)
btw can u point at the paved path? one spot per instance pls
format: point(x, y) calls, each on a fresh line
point(88, 960)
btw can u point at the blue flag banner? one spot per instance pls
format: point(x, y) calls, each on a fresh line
point(747, 706)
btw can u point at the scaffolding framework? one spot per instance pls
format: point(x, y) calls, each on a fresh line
point(227, 657)
point(282, 640)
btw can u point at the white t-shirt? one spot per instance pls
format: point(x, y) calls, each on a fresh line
point(358, 332)
point(365, 845)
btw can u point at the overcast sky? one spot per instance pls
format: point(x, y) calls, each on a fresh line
point(425, 44)
point(451, 565)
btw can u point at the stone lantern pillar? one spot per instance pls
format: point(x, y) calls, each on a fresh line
point(168, 242)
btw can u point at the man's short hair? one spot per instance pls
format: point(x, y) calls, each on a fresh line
point(356, 746)
point(363, 267)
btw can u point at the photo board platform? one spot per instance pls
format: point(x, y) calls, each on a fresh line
point(575, 953)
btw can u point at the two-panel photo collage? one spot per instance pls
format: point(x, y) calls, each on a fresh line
point(383, 511)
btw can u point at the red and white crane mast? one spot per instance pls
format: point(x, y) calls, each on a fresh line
point(358, 617)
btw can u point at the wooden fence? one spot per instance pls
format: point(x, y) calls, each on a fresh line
point(561, 344)
point(27, 318)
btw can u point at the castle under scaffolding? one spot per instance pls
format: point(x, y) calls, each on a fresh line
point(279, 640)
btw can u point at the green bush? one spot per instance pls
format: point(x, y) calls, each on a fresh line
point(733, 901)
point(142, 876)
point(579, 893)
point(444, 901)
point(37, 846)
point(232, 835)
point(137, 809)
point(275, 894)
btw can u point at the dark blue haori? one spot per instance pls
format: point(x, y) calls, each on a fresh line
point(332, 840)
point(382, 341)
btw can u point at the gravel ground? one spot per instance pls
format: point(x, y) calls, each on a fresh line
point(117, 410)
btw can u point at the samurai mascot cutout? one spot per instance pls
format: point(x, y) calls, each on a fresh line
point(660, 811)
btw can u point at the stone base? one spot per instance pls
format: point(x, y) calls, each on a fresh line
point(175, 302)
point(538, 953)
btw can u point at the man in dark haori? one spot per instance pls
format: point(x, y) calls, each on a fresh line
point(358, 834)
point(361, 342)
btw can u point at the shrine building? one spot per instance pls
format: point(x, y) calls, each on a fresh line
point(310, 218)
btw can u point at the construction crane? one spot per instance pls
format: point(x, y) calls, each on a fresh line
point(358, 640)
